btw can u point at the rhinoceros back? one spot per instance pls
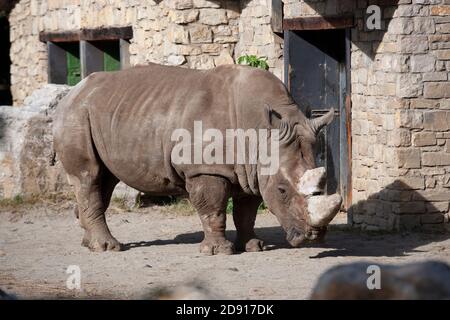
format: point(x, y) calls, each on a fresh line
point(132, 114)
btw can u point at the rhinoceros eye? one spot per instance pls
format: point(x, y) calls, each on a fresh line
point(282, 190)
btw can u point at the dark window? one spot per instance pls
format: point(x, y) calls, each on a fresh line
point(69, 62)
point(64, 62)
point(100, 56)
point(74, 55)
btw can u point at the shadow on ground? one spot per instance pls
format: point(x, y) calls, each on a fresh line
point(341, 241)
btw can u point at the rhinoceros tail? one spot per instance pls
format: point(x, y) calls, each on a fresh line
point(52, 159)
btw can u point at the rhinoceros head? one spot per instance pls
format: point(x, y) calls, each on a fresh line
point(295, 192)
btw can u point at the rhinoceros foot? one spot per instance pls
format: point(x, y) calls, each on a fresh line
point(216, 246)
point(252, 245)
point(99, 242)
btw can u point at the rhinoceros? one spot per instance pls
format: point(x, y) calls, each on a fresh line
point(118, 126)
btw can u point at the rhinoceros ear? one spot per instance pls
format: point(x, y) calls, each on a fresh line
point(272, 117)
point(275, 120)
point(319, 123)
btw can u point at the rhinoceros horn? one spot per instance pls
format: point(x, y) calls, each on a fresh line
point(321, 208)
point(320, 122)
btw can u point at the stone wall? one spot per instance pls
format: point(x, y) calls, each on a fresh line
point(197, 34)
point(400, 111)
point(256, 36)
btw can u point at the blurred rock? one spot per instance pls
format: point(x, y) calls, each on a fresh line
point(26, 146)
point(415, 281)
point(6, 296)
point(190, 291)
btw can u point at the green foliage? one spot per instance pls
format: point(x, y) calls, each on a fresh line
point(230, 205)
point(254, 61)
point(262, 207)
point(18, 199)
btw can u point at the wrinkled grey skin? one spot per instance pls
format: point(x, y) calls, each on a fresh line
point(117, 127)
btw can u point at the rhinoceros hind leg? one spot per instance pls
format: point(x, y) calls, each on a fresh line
point(93, 182)
point(93, 191)
point(98, 237)
point(209, 195)
point(244, 215)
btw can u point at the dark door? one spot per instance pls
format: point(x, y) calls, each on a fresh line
point(5, 62)
point(317, 81)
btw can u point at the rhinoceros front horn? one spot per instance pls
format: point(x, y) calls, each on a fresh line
point(321, 208)
point(320, 122)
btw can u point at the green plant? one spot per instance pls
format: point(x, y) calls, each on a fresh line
point(18, 199)
point(262, 207)
point(254, 61)
point(230, 206)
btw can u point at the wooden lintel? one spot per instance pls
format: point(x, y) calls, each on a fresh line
point(88, 35)
point(318, 23)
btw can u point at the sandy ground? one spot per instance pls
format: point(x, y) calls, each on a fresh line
point(38, 244)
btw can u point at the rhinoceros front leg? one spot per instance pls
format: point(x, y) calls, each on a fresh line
point(244, 216)
point(209, 195)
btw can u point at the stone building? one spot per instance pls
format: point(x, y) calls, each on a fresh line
point(387, 152)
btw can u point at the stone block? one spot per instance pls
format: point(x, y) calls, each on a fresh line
point(432, 218)
point(414, 44)
point(423, 63)
point(422, 139)
point(437, 206)
point(177, 34)
point(443, 28)
point(205, 4)
point(183, 16)
point(211, 48)
point(213, 17)
point(223, 58)
point(179, 4)
point(409, 119)
point(409, 158)
point(436, 159)
point(409, 207)
point(437, 90)
point(175, 60)
point(442, 54)
point(436, 120)
point(200, 34)
point(442, 10)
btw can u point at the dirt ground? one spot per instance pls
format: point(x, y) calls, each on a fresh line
point(38, 243)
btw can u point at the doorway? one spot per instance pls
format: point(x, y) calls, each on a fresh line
point(317, 71)
point(5, 62)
